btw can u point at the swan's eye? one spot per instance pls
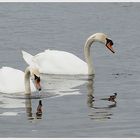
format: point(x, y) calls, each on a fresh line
point(109, 41)
point(37, 82)
point(36, 78)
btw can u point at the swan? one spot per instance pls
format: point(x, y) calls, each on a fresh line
point(16, 81)
point(61, 62)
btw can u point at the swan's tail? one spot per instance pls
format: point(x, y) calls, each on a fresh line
point(27, 57)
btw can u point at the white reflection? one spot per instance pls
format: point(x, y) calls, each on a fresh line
point(10, 101)
point(52, 85)
point(60, 85)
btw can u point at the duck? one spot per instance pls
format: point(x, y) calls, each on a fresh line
point(112, 97)
point(66, 63)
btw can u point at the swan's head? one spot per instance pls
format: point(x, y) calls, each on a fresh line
point(101, 37)
point(36, 75)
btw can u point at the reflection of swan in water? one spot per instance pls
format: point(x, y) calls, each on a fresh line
point(33, 114)
point(59, 85)
point(97, 112)
point(90, 96)
point(52, 85)
point(10, 102)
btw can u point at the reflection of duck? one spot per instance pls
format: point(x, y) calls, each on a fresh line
point(98, 112)
point(111, 98)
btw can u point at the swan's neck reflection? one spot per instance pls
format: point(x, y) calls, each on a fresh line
point(97, 112)
point(29, 109)
point(90, 95)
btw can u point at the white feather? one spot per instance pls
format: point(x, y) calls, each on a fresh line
point(12, 81)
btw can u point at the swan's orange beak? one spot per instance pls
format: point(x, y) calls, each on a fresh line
point(37, 83)
point(109, 46)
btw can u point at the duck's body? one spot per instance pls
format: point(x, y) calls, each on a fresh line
point(61, 62)
point(112, 97)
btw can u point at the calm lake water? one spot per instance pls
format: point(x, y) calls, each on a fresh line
point(68, 106)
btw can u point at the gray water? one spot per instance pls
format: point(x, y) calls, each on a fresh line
point(68, 107)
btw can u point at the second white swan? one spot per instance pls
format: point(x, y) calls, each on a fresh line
point(61, 62)
point(16, 81)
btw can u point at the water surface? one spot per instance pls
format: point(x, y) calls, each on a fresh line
point(73, 106)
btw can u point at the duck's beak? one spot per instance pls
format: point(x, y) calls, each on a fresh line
point(37, 82)
point(109, 46)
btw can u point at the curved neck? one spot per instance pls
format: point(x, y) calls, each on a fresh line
point(27, 81)
point(88, 57)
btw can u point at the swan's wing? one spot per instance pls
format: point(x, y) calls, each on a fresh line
point(27, 57)
point(12, 80)
point(59, 62)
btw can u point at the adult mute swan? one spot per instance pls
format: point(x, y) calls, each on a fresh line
point(61, 62)
point(16, 81)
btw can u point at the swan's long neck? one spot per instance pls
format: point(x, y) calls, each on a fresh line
point(88, 57)
point(27, 81)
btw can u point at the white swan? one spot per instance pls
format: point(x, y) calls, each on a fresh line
point(16, 81)
point(61, 62)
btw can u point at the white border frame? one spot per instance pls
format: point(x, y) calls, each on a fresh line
point(69, 1)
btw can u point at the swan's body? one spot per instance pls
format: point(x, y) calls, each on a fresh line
point(61, 62)
point(15, 81)
point(49, 62)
